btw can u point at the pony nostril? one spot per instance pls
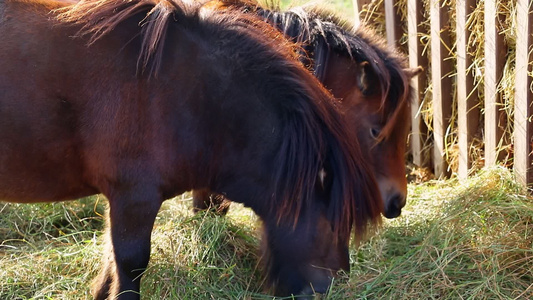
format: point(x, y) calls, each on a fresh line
point(394, 206)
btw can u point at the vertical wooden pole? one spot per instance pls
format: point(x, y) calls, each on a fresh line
point(356, 11)
point(494, 63)
point(357, 7)
point(523, 93)
point(441, 68)
point(393, 24)
point(467, 112)
point(418, 138)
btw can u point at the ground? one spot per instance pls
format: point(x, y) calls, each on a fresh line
point(469, 239)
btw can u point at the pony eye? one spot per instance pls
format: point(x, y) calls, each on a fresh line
point(374, 132)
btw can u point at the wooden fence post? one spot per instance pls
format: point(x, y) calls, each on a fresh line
point(467, 112)
point(357, 7)
point(494, 63)
point(441, 68)
point(523, 93)
point(418, 137)
point(392, 24)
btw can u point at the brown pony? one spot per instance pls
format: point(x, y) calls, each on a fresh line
point(358, 68)
point(143, 100)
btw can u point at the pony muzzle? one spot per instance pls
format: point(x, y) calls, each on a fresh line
point(394, 198)
point(394, 205)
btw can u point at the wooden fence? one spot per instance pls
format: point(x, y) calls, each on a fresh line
point(456, 81)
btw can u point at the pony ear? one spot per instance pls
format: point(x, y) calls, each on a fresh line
point(365, 77)
point(413, 72)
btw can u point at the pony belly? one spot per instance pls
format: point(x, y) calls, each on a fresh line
point(40, 173)
point(40, 187)
point(27, 186)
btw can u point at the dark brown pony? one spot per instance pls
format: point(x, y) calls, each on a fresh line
point(143, 100)
point(358, 68)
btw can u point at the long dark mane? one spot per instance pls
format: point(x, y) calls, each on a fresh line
point(363, 45)
point(321, 31)
point(314, 134)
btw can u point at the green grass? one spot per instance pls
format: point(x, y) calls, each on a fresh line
point(470, 239)
point(49, 251)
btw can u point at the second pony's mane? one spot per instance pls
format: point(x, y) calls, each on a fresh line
point(325, 32)
point(329, 32)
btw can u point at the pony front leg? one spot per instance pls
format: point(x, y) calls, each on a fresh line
point(131, 218)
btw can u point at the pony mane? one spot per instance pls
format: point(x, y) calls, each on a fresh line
point(100, 17)
point(315, 133)
point(316, 137)
point(320, 30)
point(327, 31)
